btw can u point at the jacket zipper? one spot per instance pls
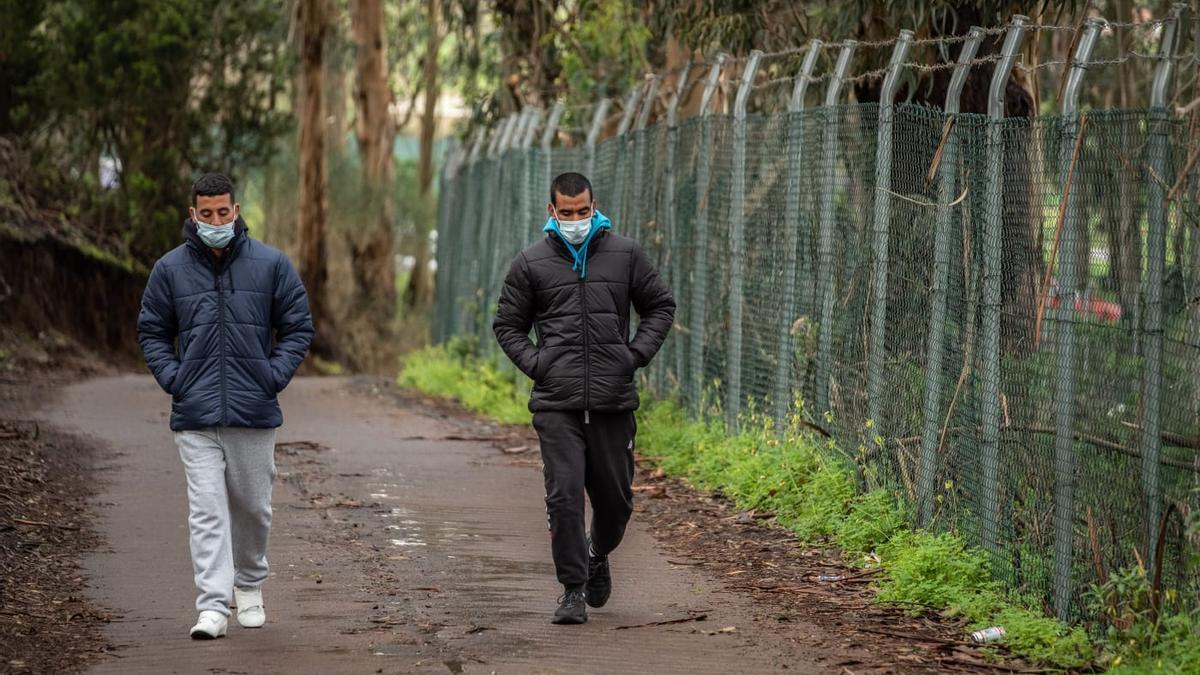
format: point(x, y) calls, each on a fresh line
point(221, 329)
point(587, 375)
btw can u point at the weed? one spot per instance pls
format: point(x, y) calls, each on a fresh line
point(480, 385)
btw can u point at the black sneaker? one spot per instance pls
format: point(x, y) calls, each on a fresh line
point(599, 584)
point(571, 608)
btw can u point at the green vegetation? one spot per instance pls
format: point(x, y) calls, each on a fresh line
point(482, 386)
point(809, 486)
point(1139, 638)
point(155, 91)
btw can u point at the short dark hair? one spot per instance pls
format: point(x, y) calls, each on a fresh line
point(570, 185)
point(211, 185)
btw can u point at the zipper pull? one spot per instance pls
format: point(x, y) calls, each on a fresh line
point(587, 418)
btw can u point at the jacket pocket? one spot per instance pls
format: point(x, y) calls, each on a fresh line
point(537, 364)
point(630, 361)
point(182, 373)
point(276, 385)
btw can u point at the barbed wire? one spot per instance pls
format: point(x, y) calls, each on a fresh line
point(955, 39)
point(878, 73)
point(699, 70)
point(1097, 63)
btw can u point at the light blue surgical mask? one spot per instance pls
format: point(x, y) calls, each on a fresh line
point(214, 236)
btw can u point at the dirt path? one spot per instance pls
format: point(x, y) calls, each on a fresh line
point(396, 550)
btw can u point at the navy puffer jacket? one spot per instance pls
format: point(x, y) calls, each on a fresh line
point(242, 324)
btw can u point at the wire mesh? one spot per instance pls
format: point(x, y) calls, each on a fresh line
point(1074, 485)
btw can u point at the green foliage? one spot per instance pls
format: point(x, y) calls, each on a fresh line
point(168, 89)
point(935, 570)
point(809, 491)
point(481, 386)
point(1038, 637)
point(602, 50)
point(1140, 639)
point(939, 571)
point(873, 518)
point(21, 59)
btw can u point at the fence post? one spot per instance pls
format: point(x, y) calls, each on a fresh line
point(513, 177)
point(674, 272)
point(947, 189)
point(639, 204)
point(992, 256)
point(594, 134)
point(881, 235)
point(547, 145)
point(496, 217)
point(737, 246)
point(620, 188)
point(781, 394)
point(633, 218)
point(518, 234)
point(699, 299)
point(513, 194)
point(535, 119)
point(510, 195)
point(526, 147)
point(551, 128)
point(464, 283)
point(1156, 244)
point(497, 132)
point(1064, 386)
point(446, 228)
point(825, 260)
point(468, 255)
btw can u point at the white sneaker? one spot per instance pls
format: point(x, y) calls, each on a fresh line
point(250, 611)
point(210, 625)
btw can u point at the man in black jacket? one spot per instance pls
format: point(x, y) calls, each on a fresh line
point(574, 288)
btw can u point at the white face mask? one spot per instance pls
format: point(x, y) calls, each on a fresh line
point(575, 231)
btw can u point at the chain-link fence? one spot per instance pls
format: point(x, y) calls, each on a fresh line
point(1018, 358)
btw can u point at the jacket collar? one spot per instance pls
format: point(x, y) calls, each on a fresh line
point(600, 225)
point(559, 247)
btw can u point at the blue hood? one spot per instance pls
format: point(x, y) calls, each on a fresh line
point(599, 222)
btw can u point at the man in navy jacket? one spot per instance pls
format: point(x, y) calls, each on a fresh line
point(224, 325)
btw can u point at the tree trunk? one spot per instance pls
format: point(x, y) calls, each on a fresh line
point(268, 226)
point(372, 96)
point(372, 250)
point(314, 20)
point(530, 66)
point(335, 102)
point(418, 293)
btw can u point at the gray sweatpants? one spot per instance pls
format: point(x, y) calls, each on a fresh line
point(229, 476)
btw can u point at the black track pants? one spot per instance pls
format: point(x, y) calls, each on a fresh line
point(596, 457)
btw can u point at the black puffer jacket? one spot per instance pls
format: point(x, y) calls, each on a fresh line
point(583, 359)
